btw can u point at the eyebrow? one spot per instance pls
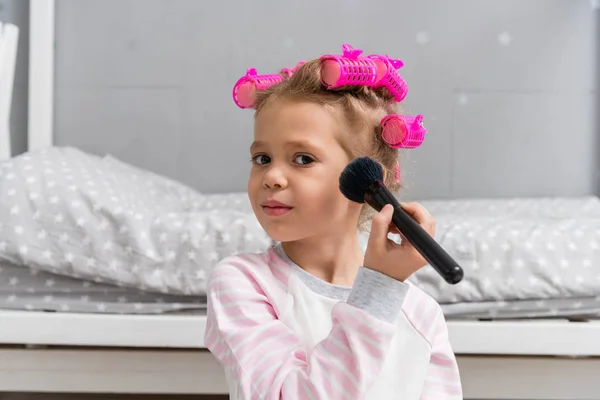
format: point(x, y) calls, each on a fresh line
point(294, 144)
point(255, 145)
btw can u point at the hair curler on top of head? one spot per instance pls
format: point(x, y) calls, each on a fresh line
point(244, 88)
point(348, 69)
point(355, 70)
point(247, 85)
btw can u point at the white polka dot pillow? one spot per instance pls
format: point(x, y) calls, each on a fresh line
point(518, 249)
point(75, 214)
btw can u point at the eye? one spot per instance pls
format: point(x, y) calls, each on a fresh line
point(261, 159)
point(304, 159)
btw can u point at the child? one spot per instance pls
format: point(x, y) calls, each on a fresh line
point(312, 317)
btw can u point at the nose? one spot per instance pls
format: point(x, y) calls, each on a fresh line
point(275, 179)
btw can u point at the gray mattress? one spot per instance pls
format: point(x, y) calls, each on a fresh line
point(23, 288)
point(569, 308)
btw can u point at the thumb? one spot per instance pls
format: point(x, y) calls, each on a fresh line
point(380, 226)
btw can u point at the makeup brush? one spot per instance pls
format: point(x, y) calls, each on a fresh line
point(362, 182)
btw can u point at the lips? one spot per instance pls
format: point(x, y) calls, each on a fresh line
point(275, 203)
point(275, 208)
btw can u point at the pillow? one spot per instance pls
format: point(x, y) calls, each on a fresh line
point(517, 249)
point(80, 215)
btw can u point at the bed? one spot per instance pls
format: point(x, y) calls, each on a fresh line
point(9, 35)
point(65, 328)
point(98, 327)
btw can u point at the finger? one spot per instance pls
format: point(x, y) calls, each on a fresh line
point(421, 216)
point(380, 227)
point(416, 211)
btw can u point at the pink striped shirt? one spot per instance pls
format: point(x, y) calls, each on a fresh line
point(281, 333)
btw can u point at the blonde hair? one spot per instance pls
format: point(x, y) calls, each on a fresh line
point(359, 110)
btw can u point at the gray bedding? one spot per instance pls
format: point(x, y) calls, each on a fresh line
point(569, 308)
point(23, 288)
point(75, 214)
point(77, 218)
point(517, 249)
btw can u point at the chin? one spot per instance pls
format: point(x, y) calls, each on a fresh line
point(282, 233)
point(279, 236)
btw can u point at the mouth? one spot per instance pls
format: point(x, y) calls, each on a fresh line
point(275, 208)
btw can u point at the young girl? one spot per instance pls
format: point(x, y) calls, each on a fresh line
point(313, 317)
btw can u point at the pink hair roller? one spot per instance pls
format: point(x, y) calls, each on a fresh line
point(348, 69)
point(353, 69)
point(388, 76)
point(403, 131)
point(247, 85)
point(289, 72)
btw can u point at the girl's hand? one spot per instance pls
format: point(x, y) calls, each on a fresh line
point(398, 261)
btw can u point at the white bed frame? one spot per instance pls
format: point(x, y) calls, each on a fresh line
point(91, 353)
point(9, 36)
point(67, 353)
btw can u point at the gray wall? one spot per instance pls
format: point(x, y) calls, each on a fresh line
point(150, 81)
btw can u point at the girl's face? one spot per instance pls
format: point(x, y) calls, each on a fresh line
point(296, 164)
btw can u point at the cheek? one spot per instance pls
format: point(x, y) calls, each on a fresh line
point(325, 199)
point(254, 185)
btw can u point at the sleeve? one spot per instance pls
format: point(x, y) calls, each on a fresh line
point(443, 377)
point(268, 360)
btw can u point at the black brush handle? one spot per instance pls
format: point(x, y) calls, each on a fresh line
point(377, 196)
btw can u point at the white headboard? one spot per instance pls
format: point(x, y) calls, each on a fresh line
point(41, 74)
point(9, 36)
